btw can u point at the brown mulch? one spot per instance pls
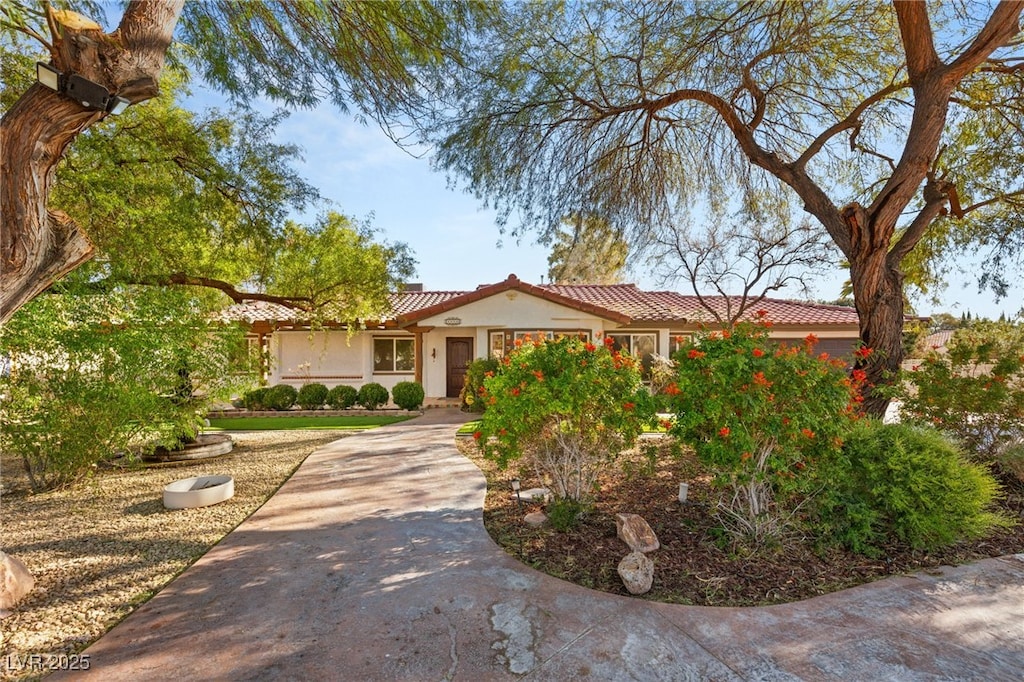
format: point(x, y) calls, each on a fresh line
point(696, 564)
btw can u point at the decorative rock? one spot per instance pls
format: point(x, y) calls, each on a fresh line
point(637, 572)
point(534, 519)
point(15, 581)
point(533, 495)
point(634, 531)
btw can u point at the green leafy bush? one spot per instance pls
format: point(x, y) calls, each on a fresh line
point(256, 399)
point(567, 406)
point(564, 513)
point(312, 396)
point(477, 371)
point(408, 395)
point(93, 376)
point(974, 391)
point(758, 416)
point(904, 483)
point(342, 397)
point(373, 395)
point(281, 397)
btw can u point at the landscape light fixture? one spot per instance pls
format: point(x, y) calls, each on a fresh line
point(89, 94)
point(515, 487)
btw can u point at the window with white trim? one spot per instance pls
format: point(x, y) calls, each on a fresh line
point(641, 345)
point(392, 354)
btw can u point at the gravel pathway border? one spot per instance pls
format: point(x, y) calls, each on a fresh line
point(101, 548)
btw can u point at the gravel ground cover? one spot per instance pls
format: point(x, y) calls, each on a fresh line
point(106, 545)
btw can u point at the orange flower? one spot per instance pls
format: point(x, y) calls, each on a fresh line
point(862, 352)
point(590, 347)
point(515, 391)
point(724, 432)
point(726, 334)
point(762, 313)
point(665, 424)
point(477, 435)
point(482, 390)
point(757, 352)
point(823, 357)
point(503, 432)
point(810, 339)
point(609, 341)
point(539, 374)
point(807, 432)
point(760, 379)
point(628, 406)
point(694, 354)
point(745, 456)
point(859, 375)
point(672, 389)
point(488, 374)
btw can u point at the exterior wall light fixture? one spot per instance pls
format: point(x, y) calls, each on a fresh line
point(89, 94)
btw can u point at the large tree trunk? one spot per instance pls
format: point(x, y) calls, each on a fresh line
point(37, 245)
point(878, 296)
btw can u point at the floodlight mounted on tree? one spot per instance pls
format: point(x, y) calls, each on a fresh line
point(89, 94)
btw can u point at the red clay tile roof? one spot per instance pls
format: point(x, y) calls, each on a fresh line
point(622, 303)
point(513, 282)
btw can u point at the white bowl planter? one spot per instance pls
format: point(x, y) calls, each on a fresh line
point(199, 491)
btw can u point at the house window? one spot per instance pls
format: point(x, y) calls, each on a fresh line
point(677, 340)
point(394, 355)
point(498, 345)
point(533, 335)
point(642, 346)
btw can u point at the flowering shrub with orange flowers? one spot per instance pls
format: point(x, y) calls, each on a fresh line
point(759, 415)
point(568, 407)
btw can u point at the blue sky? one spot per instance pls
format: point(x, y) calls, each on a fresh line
point(454, 239)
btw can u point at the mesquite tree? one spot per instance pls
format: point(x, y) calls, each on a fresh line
point(377, 57)
point(641, 110)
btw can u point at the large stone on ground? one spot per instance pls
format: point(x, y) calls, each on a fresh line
point(634, 531)
point(637, 572)
point(535, 519)
point(15, 581)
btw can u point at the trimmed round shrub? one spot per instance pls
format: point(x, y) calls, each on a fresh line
point(256, 399)
point(408, 395)
point(312, 396)
point(281, 397)
point(372, 396)
point(342, 397)
point(908, 484)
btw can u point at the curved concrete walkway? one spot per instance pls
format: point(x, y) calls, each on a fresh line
point(371, 563)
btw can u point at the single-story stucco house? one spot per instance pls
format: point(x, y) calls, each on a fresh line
point(431, 336)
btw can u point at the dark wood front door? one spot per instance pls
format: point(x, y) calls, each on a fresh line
point(458, 355)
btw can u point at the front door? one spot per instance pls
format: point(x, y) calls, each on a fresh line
point(458, 355)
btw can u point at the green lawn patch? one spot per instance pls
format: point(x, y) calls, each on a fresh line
point(468, 428)
point(302, 423)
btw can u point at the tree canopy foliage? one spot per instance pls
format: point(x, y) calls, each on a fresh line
point(870, 117)
point(587, 250)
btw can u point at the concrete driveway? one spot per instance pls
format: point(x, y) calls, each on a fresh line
point(372, 563)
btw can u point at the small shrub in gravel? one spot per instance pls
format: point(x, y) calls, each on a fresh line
point(342, 397)
point(408, 395)
point(372, 396)
point(312, 396)
point(281, 397)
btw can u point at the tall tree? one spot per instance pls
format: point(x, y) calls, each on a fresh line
point(640, 108)
point(372, 55)
point(587, 250)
